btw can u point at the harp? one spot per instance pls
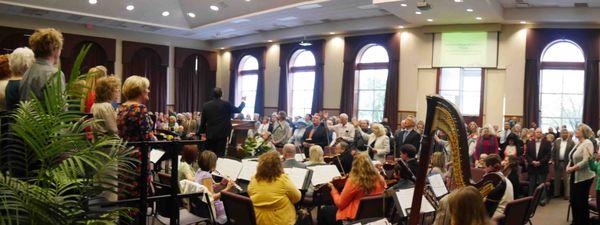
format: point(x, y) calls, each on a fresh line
point(443, 115)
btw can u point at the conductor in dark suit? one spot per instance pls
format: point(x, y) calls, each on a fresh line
point(539, 153)
point(407, 136)
point(216, 121)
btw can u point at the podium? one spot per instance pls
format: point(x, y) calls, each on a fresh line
point(239, 133)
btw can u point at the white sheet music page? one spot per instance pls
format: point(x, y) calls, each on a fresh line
point(323, 174)
point(228, 167)
point(437, 185)
point(297, 176)
point(248, 170)
point(405, 197)
point(155, 155)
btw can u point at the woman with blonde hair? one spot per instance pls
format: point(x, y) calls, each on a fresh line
point(438, 164)
point(107, 90)
point(581, 175)
point(94, 74)
point(379, 143)
point(272, 193)
point(315, 158)
point(467, 208)
point(363, 180)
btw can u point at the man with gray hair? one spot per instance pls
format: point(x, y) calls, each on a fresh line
point(407, 136)
point(560, 158)
point(343, 130)
point(289, 153)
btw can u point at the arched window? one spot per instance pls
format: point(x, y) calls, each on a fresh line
point(247, 83)
point(301, 82)
point(561, 85)
point(371, 81)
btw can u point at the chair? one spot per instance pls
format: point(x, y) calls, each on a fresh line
point(536, 198)
point(238, 208)
point(515, 212)
point(163, 209)
point(374, 207)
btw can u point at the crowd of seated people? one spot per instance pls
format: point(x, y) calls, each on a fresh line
point(360, 147)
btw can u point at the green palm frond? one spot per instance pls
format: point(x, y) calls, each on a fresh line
point(53, 168)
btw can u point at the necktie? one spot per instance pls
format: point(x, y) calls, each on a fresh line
point(405, 135)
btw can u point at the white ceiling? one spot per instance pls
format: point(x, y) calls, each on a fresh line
point(285, 19)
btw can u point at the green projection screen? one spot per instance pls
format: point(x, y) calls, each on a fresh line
point(465, 49)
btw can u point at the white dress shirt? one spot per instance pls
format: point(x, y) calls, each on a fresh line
point(563, 149)
point(345, 131)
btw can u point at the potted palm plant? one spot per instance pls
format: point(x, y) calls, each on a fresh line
point(52, 170)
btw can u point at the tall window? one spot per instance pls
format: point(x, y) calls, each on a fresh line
point(561, 85)
point(247, 84)
point(371, 72)
point(462, 86)
point(301, 82)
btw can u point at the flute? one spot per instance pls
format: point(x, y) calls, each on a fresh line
point(230, 180)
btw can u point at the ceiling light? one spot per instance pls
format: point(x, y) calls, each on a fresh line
point(288, 18)
point(243, 20)
point(418, 12)
point(93, 2)
point(401, 27)
point(332, 33)
point(130, 7)
point(469, 10)
point(478, 18)
point(222, 48)
point(523, 22)
point(429, 20)
point(269, 41)
point(166, 13)
point(458, 0)
point(304, 42)
point(247, 0)
point(192, 15)
point(403, 5)
point(214, 8)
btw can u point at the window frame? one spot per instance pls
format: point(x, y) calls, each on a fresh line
point(240, 73)
point(298, 69)
point(358, 67)
point(468, 118)
point(558, 65)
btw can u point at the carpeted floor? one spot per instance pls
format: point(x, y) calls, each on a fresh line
point(554, 213)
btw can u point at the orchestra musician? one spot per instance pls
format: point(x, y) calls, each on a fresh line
point(363, 180)
point(343, 159)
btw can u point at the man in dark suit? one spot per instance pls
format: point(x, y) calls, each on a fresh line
point(345, 157)
point(317, 134)
point(407, 154)
point(216, 121)
point(407, 136)
point(539, 153)
point(560, 159)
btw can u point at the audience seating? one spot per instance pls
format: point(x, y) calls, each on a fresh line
point(536, 199)
point(515, 212)
point(238, 208)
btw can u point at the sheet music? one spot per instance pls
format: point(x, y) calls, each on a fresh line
point(405, 197)
point(300, 157)
point(383, 221)
point(323, 174)
point(155, 155)
point(248, 170)
point(437, 185)
point(297, 176)
point(228, 167)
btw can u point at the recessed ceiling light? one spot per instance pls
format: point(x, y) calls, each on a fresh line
point(418, 12)
point(469, 10)
point(331, 32)
point(401, 27)
point(130, 7)
point(429, 20)
point(523, 22)
point(214, 8)
point(458, 0)
point(403, 5)
point(269, 41)
point(222, 48)
point(247, 0)
point(166, 13)
point(192, 15)
point(478, 18)
point(93, 2)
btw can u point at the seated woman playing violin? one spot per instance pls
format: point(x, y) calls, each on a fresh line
point(363, 180)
